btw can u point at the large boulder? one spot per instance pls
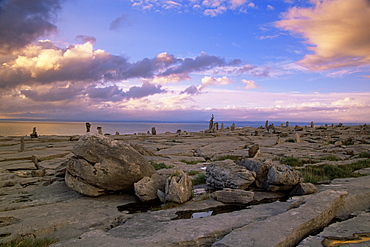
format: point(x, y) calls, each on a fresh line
point(102, 165)
point(227, 174)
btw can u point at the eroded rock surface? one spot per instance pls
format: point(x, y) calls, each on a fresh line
point(102, 165)
point(227, 174)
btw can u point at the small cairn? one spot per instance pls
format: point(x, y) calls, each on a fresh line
point(88, 125)
point(100, 131)
point(34, 133)
point(210, 127)
point(22, 144)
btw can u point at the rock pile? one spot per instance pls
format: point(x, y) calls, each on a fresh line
point(236, 178)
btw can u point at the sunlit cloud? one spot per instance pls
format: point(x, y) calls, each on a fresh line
point(210, 8)
point(337, 31)
point(208, 81)
point(249, 84)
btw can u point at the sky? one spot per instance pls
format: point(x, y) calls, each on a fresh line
point(184, 60)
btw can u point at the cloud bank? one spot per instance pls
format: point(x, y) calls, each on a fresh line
point(210, 8)
point(335, 30)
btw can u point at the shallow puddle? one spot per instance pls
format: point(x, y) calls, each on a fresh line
point(137, 207)
point(338, 241)
point(193, 214)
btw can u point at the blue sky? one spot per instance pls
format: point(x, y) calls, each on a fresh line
point(184, 60)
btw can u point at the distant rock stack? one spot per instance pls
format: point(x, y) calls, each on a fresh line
point(210, 127)
point(34, 133)
point(88, 125)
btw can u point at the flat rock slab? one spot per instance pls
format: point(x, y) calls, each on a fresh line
point(17, 165)
point(359, 194)
point(55, 211)
point(151, 229)
point(289, 228)
point(343, 231)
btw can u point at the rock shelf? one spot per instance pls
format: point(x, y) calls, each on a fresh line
point(35, 201)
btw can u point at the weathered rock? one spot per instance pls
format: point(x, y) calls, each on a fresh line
point(272, 177)
point(298, 128)
point(235, 196)
point(303, 189)
point(227, 174)
point(259, 168)
point(282, 177)
point(106, 164)
point(153, 230)
point(146, 188)
point(345, 233)
point(289, 228)
point(178, 188)
point(297, 138)
point(252, 151)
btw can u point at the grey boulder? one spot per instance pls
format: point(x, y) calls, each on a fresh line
point(102, 165)
point(227, 174)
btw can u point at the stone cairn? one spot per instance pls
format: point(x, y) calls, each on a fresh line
point(100, 131)
point(22, 144)
point(88, 125)
point(210, 127)
point(34, 133)
point(154, 131)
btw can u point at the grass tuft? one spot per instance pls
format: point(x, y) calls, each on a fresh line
point(293, 161)
point(314, 174)
point(229, 157)
point(199, 179)
point(331, 158)
point(364, 155)
point(29, 242)
point(192, 172)
point(159, 166)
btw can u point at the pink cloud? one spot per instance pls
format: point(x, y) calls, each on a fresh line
point(336, 29)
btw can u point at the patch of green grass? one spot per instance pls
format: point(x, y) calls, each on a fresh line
point(364, 155)
point(331, 158)
point(199, 179)
point(348, 141)
point(175, 141)
point(30, 242)
point(314, 174)
point(293, 161)
point(192, 172)
point(193, 162)
point(159, 166)
point(228, 157)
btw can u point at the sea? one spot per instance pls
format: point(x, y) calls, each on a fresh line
point(25, 128)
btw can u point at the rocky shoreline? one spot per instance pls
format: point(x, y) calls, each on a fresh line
point(35, 201)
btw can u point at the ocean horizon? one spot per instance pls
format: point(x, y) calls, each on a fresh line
point(24, 128)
